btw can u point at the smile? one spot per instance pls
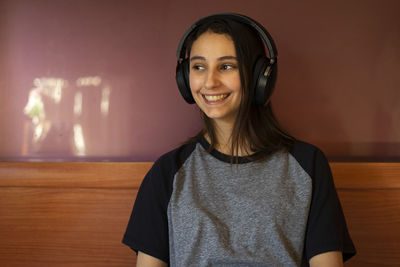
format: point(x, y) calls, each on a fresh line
point(215, 98)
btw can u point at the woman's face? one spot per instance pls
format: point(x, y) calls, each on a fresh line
point(214, 77)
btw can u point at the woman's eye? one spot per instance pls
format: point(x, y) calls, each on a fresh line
point(197, 67)
point(227, 67)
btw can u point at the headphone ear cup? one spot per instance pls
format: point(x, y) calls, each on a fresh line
point(182, 79)
point(264, 80)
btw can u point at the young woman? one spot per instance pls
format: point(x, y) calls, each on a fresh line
point(242, 192)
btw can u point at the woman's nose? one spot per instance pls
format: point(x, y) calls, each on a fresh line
point(212, 79)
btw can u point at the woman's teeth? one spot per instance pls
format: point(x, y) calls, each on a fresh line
point(215, 97)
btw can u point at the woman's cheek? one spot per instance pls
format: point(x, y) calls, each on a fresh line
point(194, 82)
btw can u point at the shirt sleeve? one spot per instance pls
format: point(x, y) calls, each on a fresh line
point(147, 229)
point(326, 227)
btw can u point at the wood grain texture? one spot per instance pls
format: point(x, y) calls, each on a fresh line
point(73, 174)
point(75, 213)
point(64, 226)
point(366, 175)
point(373, 219)
point(67, 214)
point(370, 196)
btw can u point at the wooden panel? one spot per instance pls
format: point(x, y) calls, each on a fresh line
point(366, 175)
point(68, 227)
point(370, 196)
point(129, 174)
point(75, 213)
point(73, 174)
point(373, 218)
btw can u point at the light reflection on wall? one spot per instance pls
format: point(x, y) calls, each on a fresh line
point(105, 100)
point(35, 109)
point(79, 140)
point(88, 81)
point(78, 104)
point(49, 112)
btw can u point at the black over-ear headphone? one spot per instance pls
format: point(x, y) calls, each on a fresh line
point(264, 69)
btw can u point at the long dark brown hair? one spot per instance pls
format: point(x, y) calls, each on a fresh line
point(256, 128)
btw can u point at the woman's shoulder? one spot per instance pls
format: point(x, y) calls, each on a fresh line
point(164, 169)
point(309, 156)
point(301, 148)
point(176, 157)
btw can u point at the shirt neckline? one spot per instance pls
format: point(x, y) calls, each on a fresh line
point(224, 157)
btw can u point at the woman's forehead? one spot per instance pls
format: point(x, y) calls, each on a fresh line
point(212, 44)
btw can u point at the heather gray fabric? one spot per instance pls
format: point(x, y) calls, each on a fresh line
point(254, 214)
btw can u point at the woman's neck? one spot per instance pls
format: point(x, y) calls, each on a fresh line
point(223, 135)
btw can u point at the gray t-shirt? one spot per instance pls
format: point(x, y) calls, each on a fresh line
point(195, 208)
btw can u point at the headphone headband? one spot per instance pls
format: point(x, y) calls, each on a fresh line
point(180, 54)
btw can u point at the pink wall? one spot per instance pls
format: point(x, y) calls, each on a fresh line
point(100, 76)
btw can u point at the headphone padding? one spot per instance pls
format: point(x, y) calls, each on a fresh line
point(262, 85)
point(182, 79)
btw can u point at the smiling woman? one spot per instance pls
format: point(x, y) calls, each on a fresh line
point(277, 206)
point(242, 69)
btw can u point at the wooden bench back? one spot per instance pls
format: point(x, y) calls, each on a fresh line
point(75, 213)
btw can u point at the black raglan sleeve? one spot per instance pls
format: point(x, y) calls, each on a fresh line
point(326, 227)
point(147, 229)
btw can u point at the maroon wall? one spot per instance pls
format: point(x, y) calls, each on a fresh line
point(95, 80)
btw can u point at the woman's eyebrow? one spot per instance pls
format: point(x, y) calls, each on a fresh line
point(227, 57)
point(219, 59)
point(197, 58)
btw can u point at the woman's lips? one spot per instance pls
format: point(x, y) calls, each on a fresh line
point(215, 98)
